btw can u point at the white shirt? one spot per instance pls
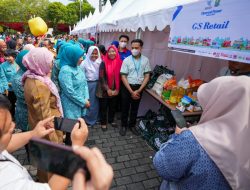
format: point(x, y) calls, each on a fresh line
point(135, 75)
point(13, 176)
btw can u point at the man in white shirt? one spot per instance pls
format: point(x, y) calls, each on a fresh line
point(135, 74)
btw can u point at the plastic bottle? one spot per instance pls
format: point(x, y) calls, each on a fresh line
point(174, 96)
point(166, 94)
point(181, 93)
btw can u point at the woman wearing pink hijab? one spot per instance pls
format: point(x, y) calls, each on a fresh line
point(213, 154)
point(41, 94)
point(109, 86)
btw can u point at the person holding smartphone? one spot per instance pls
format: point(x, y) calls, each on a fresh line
point(10, 142)
point(41, 95)
point(210, 155)
point(100, 171)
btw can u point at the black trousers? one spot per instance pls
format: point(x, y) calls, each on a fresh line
point(107, 109)
point(12, 99)
point(129, 107)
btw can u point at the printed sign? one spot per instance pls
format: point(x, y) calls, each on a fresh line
point(213, 28)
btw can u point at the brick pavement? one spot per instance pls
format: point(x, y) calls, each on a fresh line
point(130, 157)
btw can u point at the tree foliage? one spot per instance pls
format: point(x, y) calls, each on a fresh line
point(22, 10)
point(56, 12)
point(53, 12)
point(73, 14)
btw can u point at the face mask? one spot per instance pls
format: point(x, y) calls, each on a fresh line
point(122, 44)
point(135, 52)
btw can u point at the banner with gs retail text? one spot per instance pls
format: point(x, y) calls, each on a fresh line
point(213, 28)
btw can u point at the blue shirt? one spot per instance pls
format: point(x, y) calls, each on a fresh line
point(74, 91)
point(21, 115)
point(124, 54)
point(9, 70)
point(3, 81)
point(183, 161)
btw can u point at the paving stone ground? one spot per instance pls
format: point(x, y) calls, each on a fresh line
point(130, 157)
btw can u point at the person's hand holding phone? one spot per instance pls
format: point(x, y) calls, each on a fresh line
point(100, 171)
point(43, 128)
point(79, 133)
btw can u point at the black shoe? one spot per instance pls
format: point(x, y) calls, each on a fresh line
point(123, 131)
point(134, 131)
point(104, 128)
point(114, 125)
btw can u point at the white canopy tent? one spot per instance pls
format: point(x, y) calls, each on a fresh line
point(89, 25)
point(154, 18)
point(132, 15)
point(89, 22)
point(119, 7)
point(82, 25)
point(92, 28)
point(78, 25)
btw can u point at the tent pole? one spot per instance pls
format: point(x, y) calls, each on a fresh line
point(138, 33)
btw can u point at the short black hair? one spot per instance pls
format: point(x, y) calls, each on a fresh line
point(138, 41)
point(4, 103)
point(48, 40)
point(11, 44)
point(10, 52)
point(102, 49)
point(124, 36)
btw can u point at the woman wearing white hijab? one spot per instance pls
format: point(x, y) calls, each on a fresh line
point(213, 154)
point(91, 66)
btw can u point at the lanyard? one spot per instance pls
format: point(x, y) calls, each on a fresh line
point(137, 66)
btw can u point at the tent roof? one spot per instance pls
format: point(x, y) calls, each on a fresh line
point(92, 27)
point(131, 15)
point(89, 24)
point(90, 20)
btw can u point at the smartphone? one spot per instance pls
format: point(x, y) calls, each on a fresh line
point(179, 118)
point(55, 158)
point(65, 124)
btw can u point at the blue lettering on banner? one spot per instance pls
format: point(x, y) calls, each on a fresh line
point(210, 26)
point(211, 13)
point(197, 26)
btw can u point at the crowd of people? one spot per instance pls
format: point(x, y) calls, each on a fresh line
point(15, 176)
point(78, 79)
point(71, 78)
